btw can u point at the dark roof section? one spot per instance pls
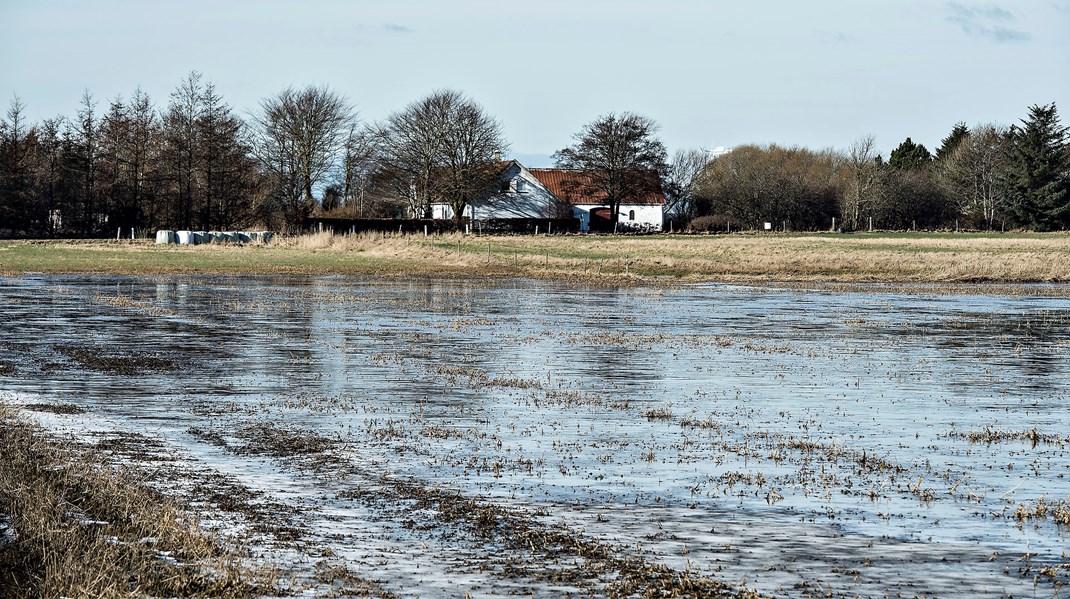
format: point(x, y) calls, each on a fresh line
point(559, 182)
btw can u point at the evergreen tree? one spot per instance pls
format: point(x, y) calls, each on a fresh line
point(1036, 181)
point(909, 155)
point(952, 141)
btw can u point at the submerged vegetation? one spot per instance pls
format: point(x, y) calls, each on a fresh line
point(507, 436)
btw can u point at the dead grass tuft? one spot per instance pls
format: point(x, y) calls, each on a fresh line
point(77, 528)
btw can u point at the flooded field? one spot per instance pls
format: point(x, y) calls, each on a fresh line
point(516, 437)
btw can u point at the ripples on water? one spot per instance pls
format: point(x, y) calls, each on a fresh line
point(780, 422)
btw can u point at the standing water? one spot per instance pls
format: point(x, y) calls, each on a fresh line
point(795, 442)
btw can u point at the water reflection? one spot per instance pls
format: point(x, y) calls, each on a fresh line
point(618, 396)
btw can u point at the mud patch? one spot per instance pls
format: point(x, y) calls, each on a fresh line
point(112, 363)
point(54, 408)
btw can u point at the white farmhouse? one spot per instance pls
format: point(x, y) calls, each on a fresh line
point(544, 193)
point(518, 195)
point(642, 214)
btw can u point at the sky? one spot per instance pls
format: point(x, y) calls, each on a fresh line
point(712, 73)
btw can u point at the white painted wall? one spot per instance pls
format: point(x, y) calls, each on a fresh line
point(647, 218)
point(526, 197)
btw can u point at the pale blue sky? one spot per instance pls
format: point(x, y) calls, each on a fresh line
point(713, 73)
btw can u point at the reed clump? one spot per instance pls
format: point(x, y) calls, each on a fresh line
point(1042, 509)
point(76, 527)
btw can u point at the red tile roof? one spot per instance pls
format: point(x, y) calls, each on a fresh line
point(560, 182)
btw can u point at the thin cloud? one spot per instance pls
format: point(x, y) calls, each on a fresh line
point(395, 28)
point(837, 36)
point(984, 22)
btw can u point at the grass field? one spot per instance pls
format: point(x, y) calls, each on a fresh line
point(827, 258)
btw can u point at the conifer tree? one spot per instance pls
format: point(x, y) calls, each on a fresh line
point(947, 145)
point(909, 155)
point(1036, 181)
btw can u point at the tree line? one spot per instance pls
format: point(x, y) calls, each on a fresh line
point(988, 177)
point(195, 163)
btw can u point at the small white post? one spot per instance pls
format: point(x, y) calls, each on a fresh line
point(425, 230)
point(118, 233)
point(536, 229)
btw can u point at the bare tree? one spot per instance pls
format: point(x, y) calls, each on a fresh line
point(112, 183)
point(15, 168)
point(181, 143)
point(970, 173)
point(471, 153)
point(142, 153)
point(409, 146)
point(683, 170)
point(358, 165)
point(754, 184)
point(617, 159)
point(863, 173)
point(50, 172)
point(88, 139)
point(301, 136)
point(227, 167)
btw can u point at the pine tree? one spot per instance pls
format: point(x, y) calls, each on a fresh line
point(1037, 178)
point(952, 141)
point(909, 155)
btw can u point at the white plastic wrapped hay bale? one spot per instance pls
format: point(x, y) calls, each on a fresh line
point(185, 237)
point(165, 237)
point(244, 237)
point(200, 237)
point(265, 237)
point(230, 237)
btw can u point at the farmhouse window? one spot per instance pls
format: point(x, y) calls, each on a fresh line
point(521, 186)
point(631, 215)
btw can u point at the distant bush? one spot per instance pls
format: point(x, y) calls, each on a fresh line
point(709, 224)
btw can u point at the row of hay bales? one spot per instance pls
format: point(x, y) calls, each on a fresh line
point(202, 237)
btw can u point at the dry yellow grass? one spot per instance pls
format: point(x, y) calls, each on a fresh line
point(83, 529)
point(826, 258)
